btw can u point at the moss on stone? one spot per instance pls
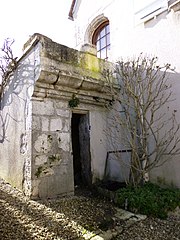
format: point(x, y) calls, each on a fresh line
point(90, 62)
point(39, 171)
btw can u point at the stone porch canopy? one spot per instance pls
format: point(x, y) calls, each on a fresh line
point(65, 72)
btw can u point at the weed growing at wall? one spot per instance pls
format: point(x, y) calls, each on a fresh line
point(74, 102)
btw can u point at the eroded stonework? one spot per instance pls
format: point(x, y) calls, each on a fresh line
point(50, 77)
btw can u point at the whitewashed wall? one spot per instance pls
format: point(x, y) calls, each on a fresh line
point(153, 30)
point(16, 123)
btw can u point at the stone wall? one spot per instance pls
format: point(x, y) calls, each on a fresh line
point(65, 74)
point(52, 171)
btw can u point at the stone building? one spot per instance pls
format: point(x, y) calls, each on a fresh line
point(52, 120)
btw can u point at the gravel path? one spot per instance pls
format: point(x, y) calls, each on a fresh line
point(152, 229)
point(83, 216)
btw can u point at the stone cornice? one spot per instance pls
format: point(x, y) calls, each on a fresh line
point(65, 71)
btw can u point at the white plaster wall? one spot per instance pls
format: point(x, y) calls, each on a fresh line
point(83, 19)
point(98, 143)
point(156, 37)
point(159, 36)
point(168, 174)
point(15, 144)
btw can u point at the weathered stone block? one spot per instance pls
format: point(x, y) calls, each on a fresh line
point(45, 124)
point(64, 141)
point(41, 159)
point(35, 187)
point(43, 144)
point(43, 108)
point(63, 112)
point(60, 105)
point(48, 172)
point(66, 125)
point(56, 124)
point(36, 124)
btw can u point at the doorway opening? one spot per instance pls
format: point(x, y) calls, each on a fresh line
point(81, 149)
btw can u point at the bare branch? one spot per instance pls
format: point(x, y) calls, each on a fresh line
point(148, 127)
point(8, 63)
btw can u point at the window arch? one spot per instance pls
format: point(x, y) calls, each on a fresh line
point(94, 35)
point(101, 39)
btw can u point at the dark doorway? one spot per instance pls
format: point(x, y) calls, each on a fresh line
point(81, 149)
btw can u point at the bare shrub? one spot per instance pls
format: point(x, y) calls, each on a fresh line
point(141, 114)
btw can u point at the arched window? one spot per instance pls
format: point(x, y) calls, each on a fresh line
point(101, 38)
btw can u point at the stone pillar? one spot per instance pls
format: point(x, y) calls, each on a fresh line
point(89, 48)
point(52, 159)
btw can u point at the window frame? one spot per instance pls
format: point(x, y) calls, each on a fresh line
point(95, 39)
